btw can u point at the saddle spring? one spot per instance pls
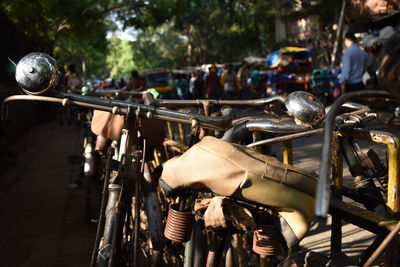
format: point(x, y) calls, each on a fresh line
point(266, 241)
point(179, 224)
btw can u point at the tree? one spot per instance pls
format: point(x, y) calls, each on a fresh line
point(170, 32)
point(120, 58)
point(160, 47)
point(71, 31)
point(225, 30)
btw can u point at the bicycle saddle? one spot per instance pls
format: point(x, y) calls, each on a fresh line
point(110, 126)
point(233, 170)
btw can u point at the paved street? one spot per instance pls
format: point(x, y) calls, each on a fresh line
point(43, 219)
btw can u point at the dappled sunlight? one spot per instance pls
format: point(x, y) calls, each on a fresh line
point(354, 239)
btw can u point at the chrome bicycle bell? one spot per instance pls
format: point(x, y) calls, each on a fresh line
point(305, 108)
point(37, 73)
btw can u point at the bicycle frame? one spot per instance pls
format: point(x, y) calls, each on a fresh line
point(129, 172)
point(323, 189)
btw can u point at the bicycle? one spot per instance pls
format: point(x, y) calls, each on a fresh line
point(120, 107)
point(124, 184)
point(266, 208)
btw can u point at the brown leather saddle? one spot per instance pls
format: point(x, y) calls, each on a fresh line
point(110, 126)
point(232, 170)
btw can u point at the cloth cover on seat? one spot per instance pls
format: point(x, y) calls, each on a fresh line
point(232, 170)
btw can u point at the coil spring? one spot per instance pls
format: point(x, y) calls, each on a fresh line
point(266, 241)
point(179, 224)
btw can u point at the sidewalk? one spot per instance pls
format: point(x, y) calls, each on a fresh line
point(43, 222)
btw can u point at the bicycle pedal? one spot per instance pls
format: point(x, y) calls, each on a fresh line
point(105, 252)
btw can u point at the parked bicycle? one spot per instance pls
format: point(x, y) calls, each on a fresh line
point(243, 191)
point(241, 174)
point(119, 240)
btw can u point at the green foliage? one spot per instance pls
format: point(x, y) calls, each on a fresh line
point(171, 33)
point(221, 31)
point(119, 58)
point(71, 31)
point(159, 48)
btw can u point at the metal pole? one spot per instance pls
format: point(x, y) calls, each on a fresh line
point(338, 35)
point(337, 181)
point(257, 137)
point(393, 202)
point(288, 152)
point(383, 245)
point(104, 200)
point(182, 133)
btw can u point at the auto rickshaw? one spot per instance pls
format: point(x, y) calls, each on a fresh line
point(292, 67)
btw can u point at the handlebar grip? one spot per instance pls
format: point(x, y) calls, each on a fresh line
point(148, 99)
point(237, 133)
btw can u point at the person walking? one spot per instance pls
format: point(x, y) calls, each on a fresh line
point(230, 83)
point(73, 80)
point(135, 83)
point(73, 83)
point(198, 86)
point(354, 65)
point(212, 85)
point(192, 81)
point(243, 76)
point(181, 86)
point(256, 83)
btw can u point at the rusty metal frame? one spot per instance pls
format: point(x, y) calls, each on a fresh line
point(287, 152)
point(392, 142)
point(337, 182)
point(393, 203)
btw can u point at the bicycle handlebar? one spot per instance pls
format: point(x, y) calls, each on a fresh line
point(150, 100)
point(116, 92)
point(122, 108)
point(199, 102)
point(239, 131)
point(308, 133)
